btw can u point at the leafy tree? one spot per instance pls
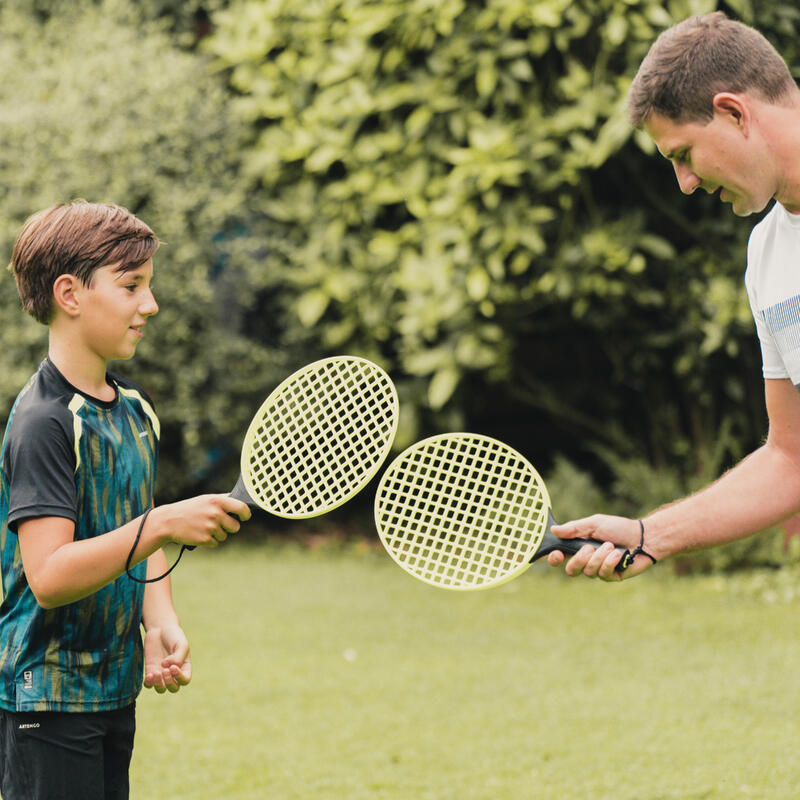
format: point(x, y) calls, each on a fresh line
point(99, 104)
point(452, 186)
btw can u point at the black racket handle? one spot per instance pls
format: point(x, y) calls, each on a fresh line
point(239, 492)
point(551, 542)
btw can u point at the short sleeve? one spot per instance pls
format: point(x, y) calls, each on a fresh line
point(39, 464)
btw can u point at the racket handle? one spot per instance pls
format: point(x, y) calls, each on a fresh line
point(239, 492)
point(551, 542)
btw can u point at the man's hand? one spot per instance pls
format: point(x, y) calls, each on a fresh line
point(601, 563)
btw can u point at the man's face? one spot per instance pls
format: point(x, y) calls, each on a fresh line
point(721, 154)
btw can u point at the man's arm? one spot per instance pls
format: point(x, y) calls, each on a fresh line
point(761, 490)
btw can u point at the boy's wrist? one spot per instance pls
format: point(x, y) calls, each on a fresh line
point(156, 530)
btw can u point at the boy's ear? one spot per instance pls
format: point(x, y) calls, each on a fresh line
point(65, 294)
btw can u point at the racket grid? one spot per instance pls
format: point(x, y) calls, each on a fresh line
point(461, 511)
point(320, 436)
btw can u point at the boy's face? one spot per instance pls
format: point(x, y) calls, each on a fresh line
point(712, 156)
point(116, 308)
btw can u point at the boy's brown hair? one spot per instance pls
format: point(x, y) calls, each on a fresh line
point(75, 238)
point(696, 59)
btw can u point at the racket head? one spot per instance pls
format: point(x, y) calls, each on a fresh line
point(462, 511)
point(319, 437)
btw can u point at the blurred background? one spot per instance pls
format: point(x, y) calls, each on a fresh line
point(447, 187)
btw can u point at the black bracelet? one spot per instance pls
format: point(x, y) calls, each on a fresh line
point(640, 549)
point(133, 550)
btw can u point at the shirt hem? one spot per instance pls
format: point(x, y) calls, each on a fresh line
point(44, 704)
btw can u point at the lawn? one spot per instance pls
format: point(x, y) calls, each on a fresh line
point(334, 675)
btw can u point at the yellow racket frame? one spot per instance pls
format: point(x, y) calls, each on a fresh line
point(319, 437)
point(462, 511)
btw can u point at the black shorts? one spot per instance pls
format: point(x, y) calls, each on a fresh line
point(52, 755)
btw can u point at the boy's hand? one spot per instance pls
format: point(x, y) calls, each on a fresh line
point(167, 666)
point(202, 521)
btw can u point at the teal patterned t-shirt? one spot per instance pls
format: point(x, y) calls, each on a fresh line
point(69, 455)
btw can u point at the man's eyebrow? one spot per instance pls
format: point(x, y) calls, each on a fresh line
point(674, 153)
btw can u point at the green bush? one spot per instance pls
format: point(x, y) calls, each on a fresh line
point(98, 104)
point(452, 187)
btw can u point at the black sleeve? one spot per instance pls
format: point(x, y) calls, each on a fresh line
point(40, 465)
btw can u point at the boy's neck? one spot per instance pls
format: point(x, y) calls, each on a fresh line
point(85, 372)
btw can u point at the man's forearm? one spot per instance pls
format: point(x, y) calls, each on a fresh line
point(761, 490)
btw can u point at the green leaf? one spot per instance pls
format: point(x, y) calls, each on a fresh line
point(442, 386)
point(478, 283)
point(311, 306)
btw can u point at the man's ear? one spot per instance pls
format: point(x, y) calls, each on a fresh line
point(65, 294)
point(735, 107)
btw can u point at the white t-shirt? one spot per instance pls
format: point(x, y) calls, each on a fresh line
point(773, 286)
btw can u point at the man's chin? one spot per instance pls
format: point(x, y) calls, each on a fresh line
point(741, 207)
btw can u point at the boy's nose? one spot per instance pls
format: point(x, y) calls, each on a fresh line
point(149, 305)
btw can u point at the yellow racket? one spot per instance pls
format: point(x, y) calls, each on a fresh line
point(316, 441)
point(319, 438)
point(466, 512)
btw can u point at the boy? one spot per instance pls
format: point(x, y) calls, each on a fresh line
point(77, 473)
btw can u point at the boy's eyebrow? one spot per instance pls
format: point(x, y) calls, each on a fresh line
point(123, 276)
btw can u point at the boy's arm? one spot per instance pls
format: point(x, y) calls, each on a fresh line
point(60, 570)
point(166, 648)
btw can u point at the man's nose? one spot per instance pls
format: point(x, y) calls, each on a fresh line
point(687, 180)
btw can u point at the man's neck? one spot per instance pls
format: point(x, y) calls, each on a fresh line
point(781, 125)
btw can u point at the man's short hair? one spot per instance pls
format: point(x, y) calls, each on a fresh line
point(75, 238)
point(696, 59)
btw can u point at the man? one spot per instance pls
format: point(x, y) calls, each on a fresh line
point(720, 103)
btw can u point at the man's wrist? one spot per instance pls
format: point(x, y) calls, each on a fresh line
point(654, 540)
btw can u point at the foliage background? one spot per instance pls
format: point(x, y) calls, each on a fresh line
point(449, 187)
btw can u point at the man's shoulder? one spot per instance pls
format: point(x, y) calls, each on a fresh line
point(767, 225)
point(770, 241)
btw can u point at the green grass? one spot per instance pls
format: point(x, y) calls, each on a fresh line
point(336, 676)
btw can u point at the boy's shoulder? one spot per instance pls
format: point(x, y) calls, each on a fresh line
point(129, 387)
point(46, 396)
point(41, 424)
point(49, 403)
